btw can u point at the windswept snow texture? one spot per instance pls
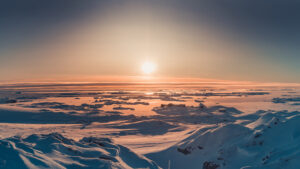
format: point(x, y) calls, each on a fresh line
point(270, 142)
point(285, 100)
point(177, 126)
point(54, 151)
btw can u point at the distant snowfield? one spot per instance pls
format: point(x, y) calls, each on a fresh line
point(205, 126)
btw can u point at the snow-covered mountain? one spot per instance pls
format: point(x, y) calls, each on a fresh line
point(272, 141)
point(57, 152)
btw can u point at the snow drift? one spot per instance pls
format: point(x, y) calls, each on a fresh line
point(269, 142)
point(57, 152)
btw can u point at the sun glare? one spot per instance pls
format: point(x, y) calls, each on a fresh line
point(148, 67)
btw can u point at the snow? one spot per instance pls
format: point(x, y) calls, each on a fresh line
point(57, 152)
point(271, 141)
point(91, 126)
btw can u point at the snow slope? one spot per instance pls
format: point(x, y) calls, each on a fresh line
point(57, 152)
point(269, 142)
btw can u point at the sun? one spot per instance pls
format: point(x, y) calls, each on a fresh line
point(148, 67)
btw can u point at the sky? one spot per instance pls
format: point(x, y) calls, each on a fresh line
point(229, 39)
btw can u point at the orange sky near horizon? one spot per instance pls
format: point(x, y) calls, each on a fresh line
point(118, 39)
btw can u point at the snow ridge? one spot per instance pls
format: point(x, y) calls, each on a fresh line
point(57, 152)
point(269, 142)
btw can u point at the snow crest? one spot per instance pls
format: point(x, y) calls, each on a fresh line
point(270, 142)
point(57, 152)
